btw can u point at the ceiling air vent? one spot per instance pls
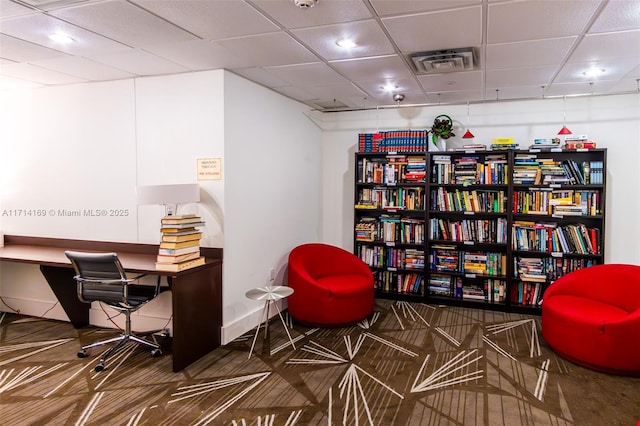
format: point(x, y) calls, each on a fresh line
point(441, 61)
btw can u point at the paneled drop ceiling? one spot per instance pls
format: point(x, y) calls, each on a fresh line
point(521, 49)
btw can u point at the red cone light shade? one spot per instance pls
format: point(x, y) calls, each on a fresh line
point(468, 135)
point(563, 131)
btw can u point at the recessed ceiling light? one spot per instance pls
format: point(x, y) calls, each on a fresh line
point(346, 43)
point(389, 88)
point(593, 72)
point(60, 38)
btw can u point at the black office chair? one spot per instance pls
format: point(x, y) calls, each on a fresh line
point(101, 277)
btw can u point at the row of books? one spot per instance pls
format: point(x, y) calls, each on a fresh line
point(391, 198)
point(180, 243)
point(527, 293)
point(550, 237)
point(392, 169)
point(448, 259)
point(490, 169)
point(392, 281)
point(394, 141)
point(484, 290)
point(390, 229)
point(557, 202)
point(502, 144)
point(487, 201)
point(530, 169)
point(546, 269)
point(391, 257)
point(492, 231)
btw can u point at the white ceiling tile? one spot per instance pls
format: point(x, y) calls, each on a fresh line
point(527, 53)
point(600, 46)
point(38, 74)
point(401, 7)
point(631, 84)
point(8, 9)
point(618, 15)
point(124, 22)
point(37, 28)
point(581, 88)
point(139, 62)
point(613, 69)
point(377, 68)
point(261, 76)
point(307, 74)
point(457, 96)
point(434, 31)
point(535, 19)
point(211, 20)
point(369, 37)
point(270, 49)
point(296, 93)
point(521, 92)
point(534, 76)
point(337, 91)
point(323, 13)
point(23, 51)
point(377, 87)
point(10, 83)
point(199, 55)
point(453, 81)
point(83, 68)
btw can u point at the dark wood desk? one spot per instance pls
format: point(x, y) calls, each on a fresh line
point(196, 292)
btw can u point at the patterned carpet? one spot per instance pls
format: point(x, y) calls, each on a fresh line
point(407, 364)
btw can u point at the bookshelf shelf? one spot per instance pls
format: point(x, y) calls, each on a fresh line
point(491, 229)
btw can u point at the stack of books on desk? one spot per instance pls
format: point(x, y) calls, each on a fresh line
point(180, 244)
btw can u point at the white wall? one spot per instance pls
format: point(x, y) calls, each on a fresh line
point(89, 146)
point(612, 121)
point(272, 193)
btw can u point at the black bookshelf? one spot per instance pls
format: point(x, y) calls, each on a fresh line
point(486, 229)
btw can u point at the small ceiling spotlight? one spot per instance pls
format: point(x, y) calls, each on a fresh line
point(398, 97)
point(305, 4)
point(594, 72)
point(346, 43)
point(61, 38)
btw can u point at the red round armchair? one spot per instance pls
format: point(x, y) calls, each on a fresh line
point(592, 317)
point(332, 287)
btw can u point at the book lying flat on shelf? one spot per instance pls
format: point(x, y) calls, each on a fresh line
point(177, 267)
point(178, 252)
point(183, 244)
point(172, 220)
point(180, 238)
point(165, 258)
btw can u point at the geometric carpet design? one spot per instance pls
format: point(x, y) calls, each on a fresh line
point(407, 364)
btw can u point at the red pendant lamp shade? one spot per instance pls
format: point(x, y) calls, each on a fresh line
point(563, 131)
point(468, 134)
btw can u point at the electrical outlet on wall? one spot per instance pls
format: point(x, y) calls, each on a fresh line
point(272, 274)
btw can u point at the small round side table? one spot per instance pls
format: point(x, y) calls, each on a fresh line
point(270, 293)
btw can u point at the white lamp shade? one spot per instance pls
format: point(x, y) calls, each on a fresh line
point(169, 194)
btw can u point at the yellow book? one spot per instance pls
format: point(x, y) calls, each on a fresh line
point(183, 244)
point(177, 267)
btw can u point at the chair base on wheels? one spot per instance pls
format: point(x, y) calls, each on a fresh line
point(121, 340)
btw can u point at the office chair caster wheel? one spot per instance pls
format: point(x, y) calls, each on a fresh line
point(82, 353)
point(99, 368)
point(156, 353)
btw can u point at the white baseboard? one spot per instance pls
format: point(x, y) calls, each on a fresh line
point(248, 322)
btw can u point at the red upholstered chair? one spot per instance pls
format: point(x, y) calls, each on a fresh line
point(592, 317)
point(332, 287)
